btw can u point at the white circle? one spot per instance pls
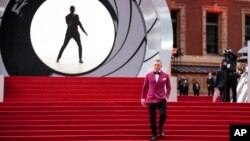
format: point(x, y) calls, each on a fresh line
point(49, 27)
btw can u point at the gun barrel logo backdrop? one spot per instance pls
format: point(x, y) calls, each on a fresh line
point(83, 37)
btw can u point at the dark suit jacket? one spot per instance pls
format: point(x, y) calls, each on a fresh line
point(210, 82)
point(220, 78)
point(196, 87)
point(72, 22)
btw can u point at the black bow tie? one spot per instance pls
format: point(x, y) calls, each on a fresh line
point(156, 72)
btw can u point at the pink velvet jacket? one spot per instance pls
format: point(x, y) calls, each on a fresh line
point(154, 92)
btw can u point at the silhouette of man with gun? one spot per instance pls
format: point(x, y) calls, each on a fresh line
point(73, 22)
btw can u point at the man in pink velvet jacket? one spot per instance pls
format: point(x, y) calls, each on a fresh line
point(155, 92)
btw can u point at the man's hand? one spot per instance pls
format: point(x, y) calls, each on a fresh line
point(143, 103)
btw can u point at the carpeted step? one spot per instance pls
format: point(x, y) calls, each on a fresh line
point(135, 126)
point(111, 137)
point(100, 109)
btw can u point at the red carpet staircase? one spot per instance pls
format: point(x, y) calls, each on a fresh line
point(72, 108)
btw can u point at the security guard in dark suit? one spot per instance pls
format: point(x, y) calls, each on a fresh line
point(231, 82)
point(210, 84)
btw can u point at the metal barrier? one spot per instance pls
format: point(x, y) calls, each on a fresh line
point(1, 88)
point(242, 94)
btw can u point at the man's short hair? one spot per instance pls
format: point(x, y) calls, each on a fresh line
point(158, 60)
point(72, 8)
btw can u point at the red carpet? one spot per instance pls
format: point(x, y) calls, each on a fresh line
point(73, 108)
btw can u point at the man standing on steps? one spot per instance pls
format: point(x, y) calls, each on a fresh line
point(210, 84)
point(73, 22)
point(155, 92)
point(231, 79)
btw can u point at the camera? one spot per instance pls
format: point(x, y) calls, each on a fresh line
point(227, 52)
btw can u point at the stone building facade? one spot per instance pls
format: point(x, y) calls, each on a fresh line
point(203, 29)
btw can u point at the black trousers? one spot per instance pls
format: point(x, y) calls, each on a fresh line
point(152, 107)
point(231, 84)
point(210, 91)
point(196, 92)
point(66, 41)
point(222, 94)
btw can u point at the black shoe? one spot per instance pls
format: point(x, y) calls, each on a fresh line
point(80, 61)
point(153, 138)
point(57, 60)
point(161, 132)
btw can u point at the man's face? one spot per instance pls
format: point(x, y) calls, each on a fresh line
point(157, 66)
point(210, 74)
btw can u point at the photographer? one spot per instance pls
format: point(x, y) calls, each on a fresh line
point(231, 79)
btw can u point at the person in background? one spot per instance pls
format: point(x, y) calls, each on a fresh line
point(155, 93)
point(185, 86)
point(220, 81)
point(210, 84)
point(231, 83)
point(196, 88)
point(180, 85)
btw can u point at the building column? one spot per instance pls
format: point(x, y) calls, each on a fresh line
point(248, 86)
